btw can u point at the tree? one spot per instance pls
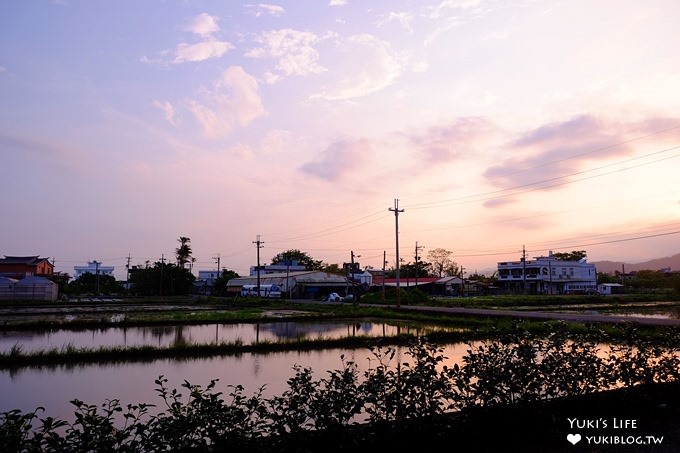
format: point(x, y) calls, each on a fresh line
point(220, 287)
point(334, 269)
point(301, 258)
point(164, 279)
point(183, 252)
point(89, 283)
point(413, 270)
point(575, 255)
point(441, 262)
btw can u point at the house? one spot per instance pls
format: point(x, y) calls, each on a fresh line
point(205, 283)
point(607, 289)
point(277, 268)
point(425, 284)
point(19, 267)
point(301, 284)
point(547, 275)
point(94, 268)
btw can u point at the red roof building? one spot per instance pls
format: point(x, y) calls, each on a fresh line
point(25, 266)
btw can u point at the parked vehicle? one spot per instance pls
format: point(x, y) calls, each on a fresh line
point(269, 291)
point(334, 297)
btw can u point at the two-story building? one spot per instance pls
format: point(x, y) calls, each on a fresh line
point(94, 268)
point(547, 275)
point(18, 267)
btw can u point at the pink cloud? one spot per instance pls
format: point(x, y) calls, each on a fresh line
point(338, 160)
point(452, 141)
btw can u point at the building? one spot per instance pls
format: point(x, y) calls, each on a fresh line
point(277, 268)
point(18, 267)
point(607, 289)
point(547, 275)
point(94, 268)
point(302, 284)
point(28, 288)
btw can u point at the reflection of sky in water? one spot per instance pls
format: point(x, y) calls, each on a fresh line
point(663, 313)
point(132, 383)
point(200, 334)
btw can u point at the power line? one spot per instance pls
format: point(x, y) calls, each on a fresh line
point(512, 191)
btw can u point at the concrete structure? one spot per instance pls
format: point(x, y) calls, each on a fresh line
point(547, 275)
point(94, 268)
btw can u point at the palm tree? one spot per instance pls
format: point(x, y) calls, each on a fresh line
point(183, 252)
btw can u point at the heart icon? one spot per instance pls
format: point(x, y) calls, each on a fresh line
point(574, 438)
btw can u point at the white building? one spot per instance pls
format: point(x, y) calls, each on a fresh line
point(548, 275)
point(607, 289)
point(277, 268)
point(208, 276)
point(94, 268)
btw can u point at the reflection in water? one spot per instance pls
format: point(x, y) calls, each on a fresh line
point(132, 383)
point(176, 335)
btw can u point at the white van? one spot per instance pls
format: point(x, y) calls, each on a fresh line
point(272, 291)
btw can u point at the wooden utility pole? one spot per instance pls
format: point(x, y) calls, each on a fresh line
point(259, 245)
point(417, 248)
point(524, 270)
point(217, 258)
point(383, 275)
point(396, 211)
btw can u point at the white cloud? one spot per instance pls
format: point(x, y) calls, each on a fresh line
point(293, 49)
point(3, 69)
point(447, 6)
point(167, 109)
point(266, 8)
point(402, 18)
point(365, 65)
point(235, 101)
point(201, 51)
point(204, 25)
point(337, 3)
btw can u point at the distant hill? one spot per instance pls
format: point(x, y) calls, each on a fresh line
point(610, 267)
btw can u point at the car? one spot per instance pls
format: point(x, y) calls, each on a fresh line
point(334, 297)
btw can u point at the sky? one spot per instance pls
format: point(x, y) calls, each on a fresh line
point(486, 128)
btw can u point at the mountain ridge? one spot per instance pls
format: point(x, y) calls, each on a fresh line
point(610, 267)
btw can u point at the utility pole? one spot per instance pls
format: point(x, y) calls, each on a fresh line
point(127, 272)
point(162, 266)
point(258, 242)
point(97, 273)
point(524, 270)
point(218, 264)
point(396, 211)
point(383, 275)
point(417, 248)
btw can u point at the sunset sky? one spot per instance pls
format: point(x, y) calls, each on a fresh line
point(498, 125)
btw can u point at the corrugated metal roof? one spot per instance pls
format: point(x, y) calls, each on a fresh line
point(307, 277)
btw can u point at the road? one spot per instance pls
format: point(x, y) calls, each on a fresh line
point(546, 315)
